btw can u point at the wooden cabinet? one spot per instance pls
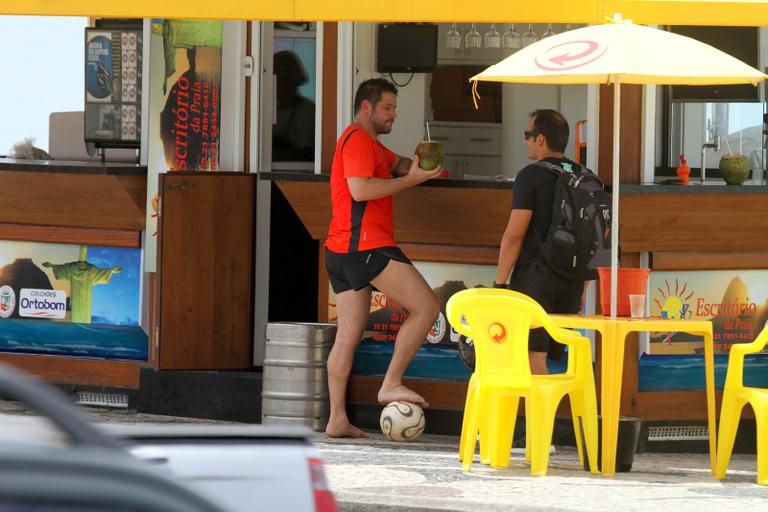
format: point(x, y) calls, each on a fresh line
point(450, 94)
point(481, 165)
point(463, 54)
point(57, 202)
point(206, 257)
point(470, 149)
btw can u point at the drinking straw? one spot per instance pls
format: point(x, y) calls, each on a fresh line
point(429, 139)
point(682, 129)
point(730, 151)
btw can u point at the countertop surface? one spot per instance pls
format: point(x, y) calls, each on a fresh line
point(665, 185)
point(497, 182)
point(70, 167)
point(661, 186)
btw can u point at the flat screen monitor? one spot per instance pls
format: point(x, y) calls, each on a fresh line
point(406, 48)
point(740, 42)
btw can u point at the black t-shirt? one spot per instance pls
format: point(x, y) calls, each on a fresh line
point(534, 189)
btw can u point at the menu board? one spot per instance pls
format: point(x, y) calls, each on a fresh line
point(113, 87)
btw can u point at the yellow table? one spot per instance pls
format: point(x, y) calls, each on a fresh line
point(614, 332)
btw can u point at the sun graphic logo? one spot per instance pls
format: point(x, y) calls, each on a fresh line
point(497, 332)
point(673, 303)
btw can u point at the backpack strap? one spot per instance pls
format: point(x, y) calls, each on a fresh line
point(558, 169)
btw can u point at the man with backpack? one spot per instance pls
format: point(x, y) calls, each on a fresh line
point(557, 230)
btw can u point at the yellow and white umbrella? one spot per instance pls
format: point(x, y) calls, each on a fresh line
point(620, 52)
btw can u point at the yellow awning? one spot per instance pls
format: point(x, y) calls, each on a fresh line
point(667, 12)
point(543, 11)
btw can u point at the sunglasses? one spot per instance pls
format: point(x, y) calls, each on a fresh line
point(531, 133)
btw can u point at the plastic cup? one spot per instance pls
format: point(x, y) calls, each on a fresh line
point(637, 305)
point(630, 280)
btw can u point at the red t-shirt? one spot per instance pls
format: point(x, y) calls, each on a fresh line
point(359, 226)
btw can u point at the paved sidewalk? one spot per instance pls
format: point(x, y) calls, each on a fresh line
point(376, 475)
point(109, 415)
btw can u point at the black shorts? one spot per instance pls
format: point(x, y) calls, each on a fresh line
point(555, 294)
point(356, 270)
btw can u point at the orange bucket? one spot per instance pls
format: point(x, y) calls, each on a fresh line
point(631, 281)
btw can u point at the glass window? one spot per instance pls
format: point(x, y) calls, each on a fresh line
point(739, 127)
point(293, 129)
point(42, 59)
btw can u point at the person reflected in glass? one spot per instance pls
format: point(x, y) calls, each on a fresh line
point(293, 134)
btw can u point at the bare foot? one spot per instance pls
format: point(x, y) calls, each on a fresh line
point(402, 393)
point(344, 429)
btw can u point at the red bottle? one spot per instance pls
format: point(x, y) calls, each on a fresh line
point(683, 171)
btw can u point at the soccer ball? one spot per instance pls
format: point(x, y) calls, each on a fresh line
point(402, 421)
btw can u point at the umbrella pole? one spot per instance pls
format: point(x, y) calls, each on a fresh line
point(615, 193)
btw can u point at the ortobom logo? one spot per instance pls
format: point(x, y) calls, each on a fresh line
point(35, 303)
point(7, 301)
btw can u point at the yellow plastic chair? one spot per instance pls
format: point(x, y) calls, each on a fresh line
point(735, 396)
point(464, 329)
point(499, 323)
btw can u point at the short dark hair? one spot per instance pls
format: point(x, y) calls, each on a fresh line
point(372, 90)
point(553, 126)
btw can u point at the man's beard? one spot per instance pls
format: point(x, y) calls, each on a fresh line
point(382, 128)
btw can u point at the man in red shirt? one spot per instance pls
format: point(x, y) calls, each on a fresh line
point(360, 251)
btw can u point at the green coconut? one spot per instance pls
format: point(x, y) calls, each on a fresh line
point(734, 169)
point(431, 154)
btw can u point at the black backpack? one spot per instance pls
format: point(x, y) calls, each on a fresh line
point(579, 237)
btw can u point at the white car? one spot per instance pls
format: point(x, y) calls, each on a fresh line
point(228, 468)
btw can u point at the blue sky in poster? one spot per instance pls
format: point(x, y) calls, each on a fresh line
point(117, 303)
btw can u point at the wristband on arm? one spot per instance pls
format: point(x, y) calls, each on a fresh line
point(501, 285)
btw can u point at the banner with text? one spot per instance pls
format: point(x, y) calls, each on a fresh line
point(736, 301)
point(62, 299)
point(184, 107)
point(386, 315)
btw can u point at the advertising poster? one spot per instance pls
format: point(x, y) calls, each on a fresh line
point(736, 301)
point(113, 66)
point(386, 316)
point(184, 105)
point(71, 300)
point(440, 355)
